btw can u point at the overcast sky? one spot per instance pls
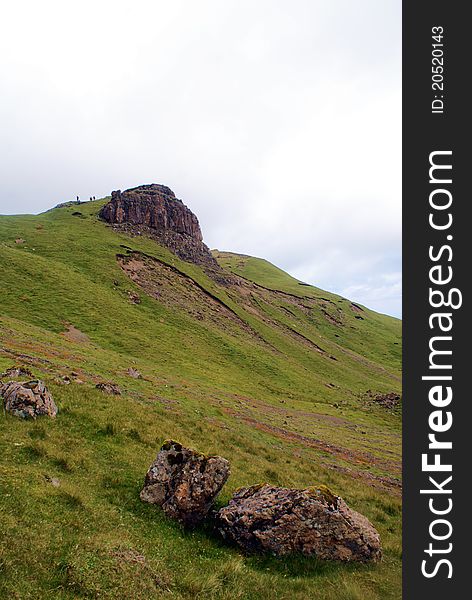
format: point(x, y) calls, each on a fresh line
point(278, 122)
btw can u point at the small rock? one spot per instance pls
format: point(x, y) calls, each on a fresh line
point(28, 399)
point(109, 388)
point(313, 522)
point(184, 482)
point(75, 377)
point(54, 481)
point(134, 298)
point(134, 373)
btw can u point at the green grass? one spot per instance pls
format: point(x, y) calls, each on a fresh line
point(252, 388)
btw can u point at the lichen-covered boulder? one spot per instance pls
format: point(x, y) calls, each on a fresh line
point(184, 482)
point(28, 399)
point(313, 522)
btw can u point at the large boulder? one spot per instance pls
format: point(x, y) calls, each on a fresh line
point(28, 399)
point(282, 521)
point(184, 482)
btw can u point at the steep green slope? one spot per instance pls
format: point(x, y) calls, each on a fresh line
point(269, 373)
point(376, 337)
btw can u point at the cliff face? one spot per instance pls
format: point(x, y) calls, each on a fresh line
point(154, 210)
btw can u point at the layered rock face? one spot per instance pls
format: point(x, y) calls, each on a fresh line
point(155, 206)
point(153, 209)
point(313, 522)
point(184, 482)
point(28, 399)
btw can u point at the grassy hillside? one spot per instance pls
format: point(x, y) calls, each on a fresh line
point(269, 373)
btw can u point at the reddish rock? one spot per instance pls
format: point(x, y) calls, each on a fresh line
point(313, 522)
point(154, 210)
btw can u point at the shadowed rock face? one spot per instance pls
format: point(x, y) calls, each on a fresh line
point(313, 522)
point(153, 205)
point(154, 210)
point(184, 482)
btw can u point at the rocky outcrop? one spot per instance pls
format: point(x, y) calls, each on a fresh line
point(283, 521)
point(153, 205)
point(28, 399)
point(184, 482)
point(154, 210)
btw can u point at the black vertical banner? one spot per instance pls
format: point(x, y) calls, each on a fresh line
point(437, 262)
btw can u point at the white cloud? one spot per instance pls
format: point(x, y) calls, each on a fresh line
point(277, 122)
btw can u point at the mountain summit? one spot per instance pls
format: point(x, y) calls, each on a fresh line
point(155, 210)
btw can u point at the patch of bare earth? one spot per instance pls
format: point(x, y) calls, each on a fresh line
point(175, 289)
point(75, 335)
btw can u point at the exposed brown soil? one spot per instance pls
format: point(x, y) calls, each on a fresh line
point(75, 335)
point(173, 288)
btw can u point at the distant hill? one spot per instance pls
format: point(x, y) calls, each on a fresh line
point(237, 358)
